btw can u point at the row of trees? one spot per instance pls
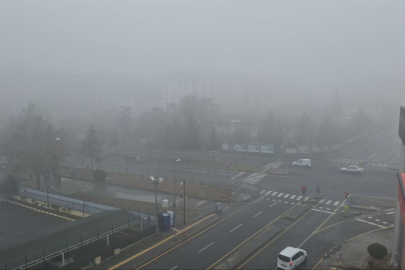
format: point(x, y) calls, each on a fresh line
point(32, 145)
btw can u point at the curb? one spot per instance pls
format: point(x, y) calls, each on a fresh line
point(372, 208)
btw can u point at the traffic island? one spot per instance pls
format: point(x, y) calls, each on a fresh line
point(298, 211)
point(350, 213)
point(243, 252)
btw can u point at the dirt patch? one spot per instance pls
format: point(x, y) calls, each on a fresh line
point(197, 190)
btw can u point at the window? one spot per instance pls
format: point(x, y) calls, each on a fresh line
point(283, 258)
point(296, 256)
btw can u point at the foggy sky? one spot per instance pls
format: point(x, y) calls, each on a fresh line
point(327, 42)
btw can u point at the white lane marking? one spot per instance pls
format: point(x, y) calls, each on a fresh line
point(328, 209)
point(320, 207)
point(373, 164)
point(306, 198)
point(206, 247)
point(370, 217)
point(174, 268)
point(258, 214)
point(273, 204)
point(268, 192)
point(385, 222)
point(292, 197)
point(379, 164)
point(299, 198)
point(292, 203)
point(321, 201)
point(235, 228)
point(385, 165)
point(240, 174)
point(365, 221)
point(286, 196)
point(261, 192)
point(336, 203)
point(285, 202)
point(281, 194)
point(274, 193)
point(377, 220)
point(323, 211)
point(328, 202)
point(389, 210)
point(390, 213)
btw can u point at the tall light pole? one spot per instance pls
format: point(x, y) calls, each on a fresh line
point(50, 161)
point(47, 193)
point(155, 183)
point(174, 182)
point(183, 183)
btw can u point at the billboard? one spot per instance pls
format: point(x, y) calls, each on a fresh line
point(267, 148)
point(401, 132)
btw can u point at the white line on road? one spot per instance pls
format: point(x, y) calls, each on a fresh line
point(273, 204)
point(299, 198)
point(258, 214)
point(268, 192)
point(323, 211)
point(206, 247)
point(236, 228)
point(370, 223)
point(336, 203)
point(373, 164)
point(174, 268)
point(240, 174)
point(321, 201)
point(385, 222)
point(261, 192)
point(328, 202)
point(389, 210)
point(281, 194)
point(286, 196)
point(293, 196)
point(274, 194)
point(385, 165)
point(377, 220)
point(306, 198)
point(390, 213)
point(370, 217)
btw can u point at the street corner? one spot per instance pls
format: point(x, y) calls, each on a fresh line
point(354, 255)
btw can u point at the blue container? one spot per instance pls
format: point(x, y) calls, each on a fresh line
point(164, 222)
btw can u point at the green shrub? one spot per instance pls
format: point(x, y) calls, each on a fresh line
point(100, 175)
point(377, 251)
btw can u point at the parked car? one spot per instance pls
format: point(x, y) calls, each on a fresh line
point(291, 258)
point(352, 169)
point(302, 162)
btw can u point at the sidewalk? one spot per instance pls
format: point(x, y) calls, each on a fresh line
point(354, 253)
point(151, 247)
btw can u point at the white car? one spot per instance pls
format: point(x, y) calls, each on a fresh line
point(291, 258)
point(302, 162)
point(352, 169)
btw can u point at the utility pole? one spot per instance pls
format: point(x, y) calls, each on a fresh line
point(174, 182)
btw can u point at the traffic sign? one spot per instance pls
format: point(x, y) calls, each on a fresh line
point(346, 202)
point(346, 207)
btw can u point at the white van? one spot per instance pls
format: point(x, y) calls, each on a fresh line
point(291, 258)
point(302, 162)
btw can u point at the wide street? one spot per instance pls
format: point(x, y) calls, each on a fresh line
point(320, 230)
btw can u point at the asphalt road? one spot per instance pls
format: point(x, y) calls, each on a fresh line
point(321, 231)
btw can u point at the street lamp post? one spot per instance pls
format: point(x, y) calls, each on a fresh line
point(236, 129)
point(174, 182)
point(155, 183)
point(184, 201)
point(50, 161)
point(47, 193)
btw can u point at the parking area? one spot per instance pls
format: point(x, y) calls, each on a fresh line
point(17, 221)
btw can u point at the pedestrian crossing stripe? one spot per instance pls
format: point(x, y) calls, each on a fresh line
point(254, 178)
point(296, 197)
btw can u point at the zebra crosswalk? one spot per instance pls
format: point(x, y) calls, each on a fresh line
point(280, 195)
point(254, 178)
